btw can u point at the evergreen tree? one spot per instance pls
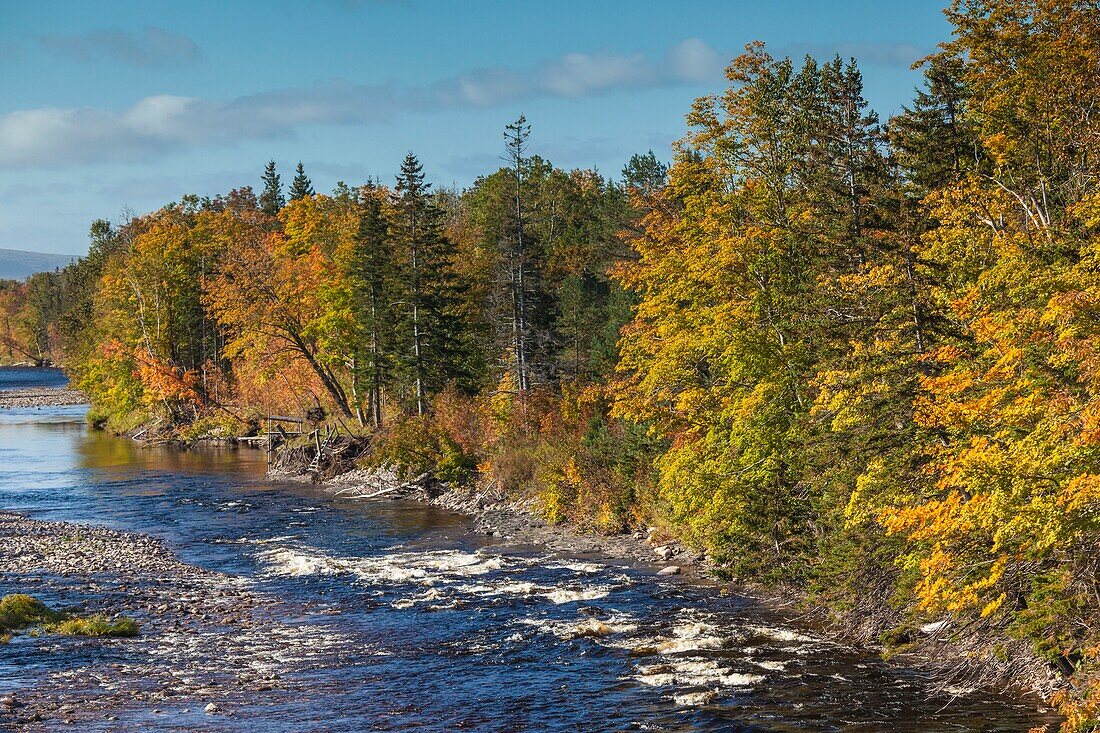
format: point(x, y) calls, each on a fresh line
point(432, 356)
point(515, 136)
point(301, 186)
point(271, 200)
point(933, 139)
point(645, 173)
point(372, 271)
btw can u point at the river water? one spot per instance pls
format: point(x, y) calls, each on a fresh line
point(423, 626)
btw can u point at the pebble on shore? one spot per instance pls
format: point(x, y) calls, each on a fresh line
point(41, 397)
point(203, 635)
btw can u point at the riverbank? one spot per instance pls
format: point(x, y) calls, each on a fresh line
point(205, 638)
point(518, 522)
point(959, 656)
point(41, 397)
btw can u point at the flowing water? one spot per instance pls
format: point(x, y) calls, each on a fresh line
point(421, 625)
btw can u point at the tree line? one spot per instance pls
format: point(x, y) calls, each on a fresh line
point(855, 355)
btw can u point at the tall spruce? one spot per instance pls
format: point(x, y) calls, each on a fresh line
point(431, 357)
point(271, 199)
point(932, 138)
point(373, 272)
point(300, 186)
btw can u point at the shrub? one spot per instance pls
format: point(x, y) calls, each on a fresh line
point(18, 611)
point(97, 625)
point(213, 426)
point(416, 445)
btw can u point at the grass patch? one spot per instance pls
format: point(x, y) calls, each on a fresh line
point(20, 611)
point(97, 625)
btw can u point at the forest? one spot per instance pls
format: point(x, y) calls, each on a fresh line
point(853, 356)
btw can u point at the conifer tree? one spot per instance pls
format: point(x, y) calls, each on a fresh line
point(515, 136)
point(933, 139)
point(372, 271)
point(431, 357)
point(271, 200)
point(300, 186)
point(645, 173)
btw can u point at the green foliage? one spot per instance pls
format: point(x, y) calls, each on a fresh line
point(20, 611)
point(96, 626)
point(17, 611)
point(416, 445)
point(271, 199)
point(301, 186)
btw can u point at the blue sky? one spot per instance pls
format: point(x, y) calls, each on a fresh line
point(111, 106)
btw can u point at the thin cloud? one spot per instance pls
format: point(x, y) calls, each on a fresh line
point(164, 123)
point(694, 60)
point(150, 47)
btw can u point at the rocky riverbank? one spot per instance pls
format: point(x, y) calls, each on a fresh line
point(518, 523)
point(41, 397)
point(968, 656)
point(206, 639)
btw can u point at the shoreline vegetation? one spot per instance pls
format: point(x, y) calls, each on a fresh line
point(847, 358)
point(24, 614)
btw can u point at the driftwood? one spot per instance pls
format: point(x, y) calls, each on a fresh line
point(146, 429)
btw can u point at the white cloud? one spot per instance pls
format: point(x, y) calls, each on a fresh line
point(163, 123)
point(694, 60)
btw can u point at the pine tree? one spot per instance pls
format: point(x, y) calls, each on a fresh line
point(645, 173)
point(301, 186)
point(271, 200)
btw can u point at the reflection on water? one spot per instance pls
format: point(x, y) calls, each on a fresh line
point(423, 627)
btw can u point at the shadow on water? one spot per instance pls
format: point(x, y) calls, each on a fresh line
point(422, 626)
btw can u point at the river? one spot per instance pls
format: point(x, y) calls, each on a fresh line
point(416, 623)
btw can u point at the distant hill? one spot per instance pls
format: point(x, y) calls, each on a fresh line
point(16, 264)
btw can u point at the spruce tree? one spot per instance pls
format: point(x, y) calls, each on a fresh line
point(301, 186)
point(431, 358)
point(932, 139)
point(271, 200)
point(375, 286)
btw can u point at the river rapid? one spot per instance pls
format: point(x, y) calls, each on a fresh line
point(391, 616)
